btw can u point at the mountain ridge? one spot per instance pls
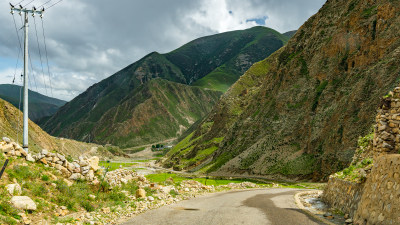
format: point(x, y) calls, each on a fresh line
point(298, 113)
point(40, 106)
point(185, 65)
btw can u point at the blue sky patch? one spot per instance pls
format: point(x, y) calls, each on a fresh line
point(259, 21)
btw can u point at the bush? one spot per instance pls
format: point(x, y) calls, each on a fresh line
point(87, 205)
point(45, 178)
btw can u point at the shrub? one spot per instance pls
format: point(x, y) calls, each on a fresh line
point(45, 178)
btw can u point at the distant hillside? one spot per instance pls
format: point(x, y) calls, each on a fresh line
point(289, 34)
point(39, 105)
point(219, 59)
point(299, 112)
point(38, 139)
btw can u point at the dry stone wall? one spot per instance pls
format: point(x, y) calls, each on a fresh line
point(380, 201)
point(343, 195)
point(377, 199)
point(82, 168)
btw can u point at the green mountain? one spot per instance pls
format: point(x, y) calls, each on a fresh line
point(299, 112)
point(39, 105)
point(84, 118)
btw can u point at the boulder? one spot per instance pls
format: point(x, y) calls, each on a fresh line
point(90, 175)
point(94, 163)
point(7, 140)
point(14, 189)
point(23, 202)
point(61, 157)
point(18, 153)
point(75, 176)
point(7, 148)
point(68, 182)
point(29, 158)
point(43, 160)
point(140, 193)
point(76, 165)
point(55, 159)
point(44, 152)
point(23, 152)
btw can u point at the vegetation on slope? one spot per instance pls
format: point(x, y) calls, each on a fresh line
point(39, 105)
point(223, 56)
point(302, 115)
point(11, 126)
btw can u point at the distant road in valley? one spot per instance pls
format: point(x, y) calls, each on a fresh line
point(246, 207)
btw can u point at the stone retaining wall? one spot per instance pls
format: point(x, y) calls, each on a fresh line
point(343, 195)
point(380, 201)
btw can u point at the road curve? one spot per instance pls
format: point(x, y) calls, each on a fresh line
point(246, 207)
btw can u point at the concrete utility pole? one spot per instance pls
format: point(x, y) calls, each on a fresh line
point(25, 99)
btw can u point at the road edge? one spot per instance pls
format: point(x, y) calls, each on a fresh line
point(302, 208)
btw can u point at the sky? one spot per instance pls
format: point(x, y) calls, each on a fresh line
point(88, 41)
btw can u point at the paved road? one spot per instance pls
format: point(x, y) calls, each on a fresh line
point(249, 207)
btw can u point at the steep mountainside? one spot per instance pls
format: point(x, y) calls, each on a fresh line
point(39, 105)
point(84, 118)
point(157, 110)
point(11, 119)
point(299, 112)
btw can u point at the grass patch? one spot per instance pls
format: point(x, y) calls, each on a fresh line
point(115, 165)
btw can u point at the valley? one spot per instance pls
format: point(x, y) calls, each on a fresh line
point(247, 126)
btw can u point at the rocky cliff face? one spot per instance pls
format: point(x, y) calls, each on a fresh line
point(299, 112)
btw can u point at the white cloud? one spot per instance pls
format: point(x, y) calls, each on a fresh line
point(90, 40)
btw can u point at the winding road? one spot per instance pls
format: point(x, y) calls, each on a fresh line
point(246, 207)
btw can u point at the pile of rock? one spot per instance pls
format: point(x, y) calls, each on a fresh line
point(10, 148)
point(123, 176)
point(83, 168)
point(240, 185)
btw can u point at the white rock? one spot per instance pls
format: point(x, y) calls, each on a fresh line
point(76, 165)
point(7, 140)
point(45, 152)
point(123, 180)
point(14, 189)
point(150, 198)
point(94, 163)
point(91, 175)
point(61, 157)
point(23, 202)
point(29, 158)
point(75, 176)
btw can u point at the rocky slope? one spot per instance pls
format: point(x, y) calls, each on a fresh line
point(11, 126)
point(298, 113)
point(215, 62)
point(39, 105)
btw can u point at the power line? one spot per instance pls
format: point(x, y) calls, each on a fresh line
point(54, 4)
point(28, 3)
point(20, 47)
point(40, 53)
point(47, 58)
point(45, 3)
point(20, 2)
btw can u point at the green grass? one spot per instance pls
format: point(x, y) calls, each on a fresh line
point(115, 165)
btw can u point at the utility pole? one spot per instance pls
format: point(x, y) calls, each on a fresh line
point(25, 99)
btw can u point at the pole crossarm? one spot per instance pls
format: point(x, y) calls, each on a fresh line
point(32, 11)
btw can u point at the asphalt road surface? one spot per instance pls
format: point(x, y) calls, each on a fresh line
point(249, 207)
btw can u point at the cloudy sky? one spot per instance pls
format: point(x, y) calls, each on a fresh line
point(90, 40)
